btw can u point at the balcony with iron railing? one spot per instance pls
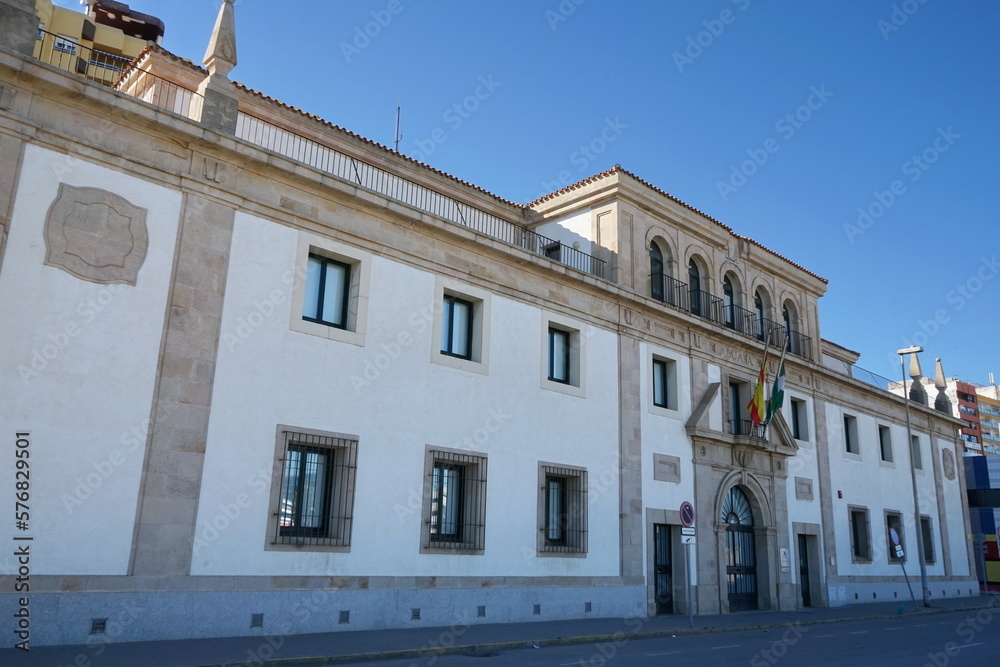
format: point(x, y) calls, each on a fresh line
point(700, 303)
point(746, 428)
point(70, 55)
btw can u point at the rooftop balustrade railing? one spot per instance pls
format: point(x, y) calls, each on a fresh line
point(315, 154)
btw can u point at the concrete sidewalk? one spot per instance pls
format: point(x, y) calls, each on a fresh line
point(423, 643)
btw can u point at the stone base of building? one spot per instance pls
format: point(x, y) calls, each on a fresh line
point(69, 618)
point(895, 589)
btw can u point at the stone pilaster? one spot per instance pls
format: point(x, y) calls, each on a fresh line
point(630, 453)
point(11, 150)
point(172, 472)
point(826, 494)
point(18, 26)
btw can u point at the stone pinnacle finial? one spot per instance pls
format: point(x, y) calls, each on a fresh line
point(220, 58)
point(917, 393)
point(941, 402)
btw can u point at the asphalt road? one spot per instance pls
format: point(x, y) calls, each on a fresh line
point(960, 639)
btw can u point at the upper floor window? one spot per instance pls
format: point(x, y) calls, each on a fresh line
point(851, 444)
point(327, 291)
point(559, 357)
point(694, 286)
point(759, 310)
point(729, 302)
point(885, 443)
point(456, 327)
point(656, 272)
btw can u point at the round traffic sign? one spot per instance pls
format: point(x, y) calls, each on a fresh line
point(687, 514)
point(894, 536)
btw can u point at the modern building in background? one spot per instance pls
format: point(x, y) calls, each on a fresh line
point(982, 475)
point(988, 399)
point(274, 377)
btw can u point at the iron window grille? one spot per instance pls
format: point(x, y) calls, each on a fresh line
point(565, 510)
point(316, 502)
point(559, 358)
point(456, 327)
point(457, 508)
point(327, 295)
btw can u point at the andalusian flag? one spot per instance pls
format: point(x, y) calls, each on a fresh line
point(758, 404)
point(777, 393)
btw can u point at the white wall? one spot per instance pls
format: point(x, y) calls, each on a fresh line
point(404, 404)
point(570, 229)
point(79, 364)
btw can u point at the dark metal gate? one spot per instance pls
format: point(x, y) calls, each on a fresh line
point(741, 551)
point(804, 571)
point(663, 569)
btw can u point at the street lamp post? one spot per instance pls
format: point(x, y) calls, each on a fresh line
point(913, 474)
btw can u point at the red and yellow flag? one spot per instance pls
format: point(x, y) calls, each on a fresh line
point(758, 404)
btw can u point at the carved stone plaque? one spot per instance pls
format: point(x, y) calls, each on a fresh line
point(948, 463)
point(96, 235)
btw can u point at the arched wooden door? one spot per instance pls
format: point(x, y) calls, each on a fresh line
point(741, 551)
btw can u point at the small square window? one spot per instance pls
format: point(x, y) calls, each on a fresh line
point(330, 290)
point(314, 502)
point(885, 443)
point(328, 284)
point(851, 444)
point(455, 501)
point(559, 357)
point(456, 327)
point(563, 510)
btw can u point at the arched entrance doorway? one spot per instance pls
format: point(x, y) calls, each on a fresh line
point(741, 551)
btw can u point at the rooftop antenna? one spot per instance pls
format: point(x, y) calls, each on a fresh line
point(397, 134)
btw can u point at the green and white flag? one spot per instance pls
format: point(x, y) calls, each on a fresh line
point(777, 392)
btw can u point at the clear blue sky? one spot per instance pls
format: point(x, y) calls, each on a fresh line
point(694, 90)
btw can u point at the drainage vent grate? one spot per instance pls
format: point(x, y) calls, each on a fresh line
point(415, 614)
point(256, 620)
point(481, 611)
point(538, 610)
point(587, 607)
point(345, 616)
point(98, 626)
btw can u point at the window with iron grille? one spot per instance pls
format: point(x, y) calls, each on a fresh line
point(562, 510)
point(455, 501)
point(316, 498)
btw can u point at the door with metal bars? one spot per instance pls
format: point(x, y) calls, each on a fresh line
point(741, 551)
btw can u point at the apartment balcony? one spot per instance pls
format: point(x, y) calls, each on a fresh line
point(700, 303)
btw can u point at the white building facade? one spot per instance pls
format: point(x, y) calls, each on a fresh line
point(275, 378)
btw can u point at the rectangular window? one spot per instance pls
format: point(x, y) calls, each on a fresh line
point(927, 535)
point(562, 510)
point(553, 251)
point(65, 45)
point(800, 420)
point(316, 498)
point(327, 292)
point(739, 423)
point(851, 443)
point(918, 459)
point(456, 327)
point(860, 542)
point(661, 388)
point(893, 521)
point(559, 357)
point(456, 501)
point(885, 443)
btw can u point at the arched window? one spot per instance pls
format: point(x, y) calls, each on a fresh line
point(694, 287)
point(656, 272)
point(758, 305)
point(787, 318)
point(729, 302)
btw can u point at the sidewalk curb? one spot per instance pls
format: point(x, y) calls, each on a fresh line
point(616, 637)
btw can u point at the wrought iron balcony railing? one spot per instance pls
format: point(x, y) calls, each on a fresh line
point(285, 142)
point(746, 427)
point(70, 55)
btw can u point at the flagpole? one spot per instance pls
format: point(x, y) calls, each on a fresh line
point(784, 348)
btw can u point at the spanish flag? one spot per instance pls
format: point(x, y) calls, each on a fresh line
point(758, 404)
